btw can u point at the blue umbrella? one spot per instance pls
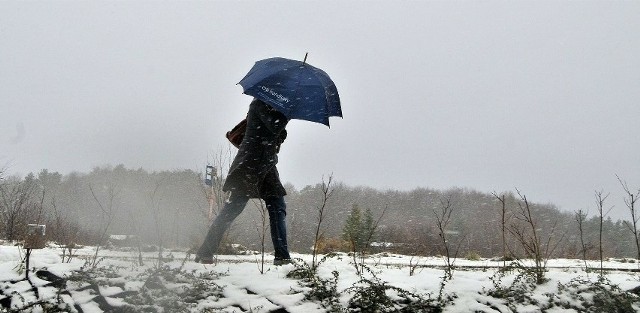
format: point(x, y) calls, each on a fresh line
point(296, 89)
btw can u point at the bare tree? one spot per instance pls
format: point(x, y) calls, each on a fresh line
point(630, 202)
point(157, 218)
point(214, 194)
point(262, 230)
point(327, 191)
point(107, 214)
point(443, 219)
point(503, 225)
point(134, 226)
point(65, 232)
point(15, 205)
point(600, 199)
point(581, 217)
point(221, 161)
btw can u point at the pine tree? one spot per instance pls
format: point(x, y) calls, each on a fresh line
point(352, 228)
point(367, 228)
point(358, 229)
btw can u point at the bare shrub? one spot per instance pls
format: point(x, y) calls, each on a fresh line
point(64, 230)
point(527, 233)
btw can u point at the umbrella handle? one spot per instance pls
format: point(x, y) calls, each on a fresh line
point(305, 58)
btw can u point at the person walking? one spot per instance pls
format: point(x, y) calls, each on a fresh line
point(253, 174)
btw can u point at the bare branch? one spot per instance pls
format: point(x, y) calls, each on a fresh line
point(327, 192)
point(630, 202)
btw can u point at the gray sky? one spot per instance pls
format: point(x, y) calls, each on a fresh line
point(490, 95)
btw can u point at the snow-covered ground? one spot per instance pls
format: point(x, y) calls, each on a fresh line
point(240, 284)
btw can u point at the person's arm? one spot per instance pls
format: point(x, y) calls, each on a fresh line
point(274, 120)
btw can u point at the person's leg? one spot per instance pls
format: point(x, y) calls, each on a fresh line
point(232, 208)
point(277, 219)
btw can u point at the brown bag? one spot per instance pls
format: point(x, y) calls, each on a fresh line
point(236, 134)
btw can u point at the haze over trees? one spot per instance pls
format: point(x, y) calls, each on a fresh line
point(171, 209)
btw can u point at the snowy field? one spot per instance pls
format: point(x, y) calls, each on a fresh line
point(118, 283)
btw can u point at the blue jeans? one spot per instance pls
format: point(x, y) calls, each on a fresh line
point(232, 208)
point(278, 222)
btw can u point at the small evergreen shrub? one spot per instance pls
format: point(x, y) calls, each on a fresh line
point(375, 295)
point(593, 297)
point(518, 292)
point(324, 291)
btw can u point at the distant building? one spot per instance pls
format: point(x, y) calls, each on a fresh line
point(123, 240)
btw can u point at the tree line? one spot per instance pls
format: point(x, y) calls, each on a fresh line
point(172, 209)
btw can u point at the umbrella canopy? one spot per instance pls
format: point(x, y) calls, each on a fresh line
point(296, 89)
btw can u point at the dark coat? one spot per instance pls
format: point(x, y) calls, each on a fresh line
point(253, 171)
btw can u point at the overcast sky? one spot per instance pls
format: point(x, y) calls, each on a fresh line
point(488, 95)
